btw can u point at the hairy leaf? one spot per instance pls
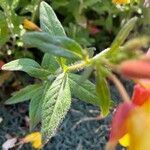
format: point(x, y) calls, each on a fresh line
point(56, 103)
point(49, 21)
point(24, 94)
point(27, 65)
point(55, 45)
point(85, 91)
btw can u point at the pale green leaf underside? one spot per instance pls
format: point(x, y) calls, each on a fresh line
point(56, 103)
point(24, 94)
point(27, 65)
point(55, 45)
point(49, 21)
point(20, 64)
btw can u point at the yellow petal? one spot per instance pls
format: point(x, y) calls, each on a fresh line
point(34, 138)
point(146, 106)
point(37, 144)
point(139, 130)
point(125, 140)
point(121, 1)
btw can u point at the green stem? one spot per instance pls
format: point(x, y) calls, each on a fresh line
point(78, 66)
point(97, 58)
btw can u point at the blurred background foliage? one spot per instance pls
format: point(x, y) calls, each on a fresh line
point(91, 23)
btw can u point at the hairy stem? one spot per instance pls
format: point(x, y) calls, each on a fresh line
point(91, 61)
point(78, 66)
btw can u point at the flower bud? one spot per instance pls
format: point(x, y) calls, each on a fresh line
point(135, 68)
point(29, 25)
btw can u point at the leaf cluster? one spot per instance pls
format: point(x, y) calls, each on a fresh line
point(50, 100)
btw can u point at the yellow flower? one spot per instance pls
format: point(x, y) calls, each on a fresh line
point(139, 129)
point(131, 122)
point(29, 25)
point(121, 1)
point(34, 138)
point(138, 121)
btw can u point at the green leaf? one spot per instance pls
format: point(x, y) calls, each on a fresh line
point(56, 103)
point(55, 45)
point(50, 63)
point(27, 65)
point(86, 74)
point(85, 91)
point(35, 108)
point(24, 94)
point(49, 21)
point(122, 35)
point(103, 92)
